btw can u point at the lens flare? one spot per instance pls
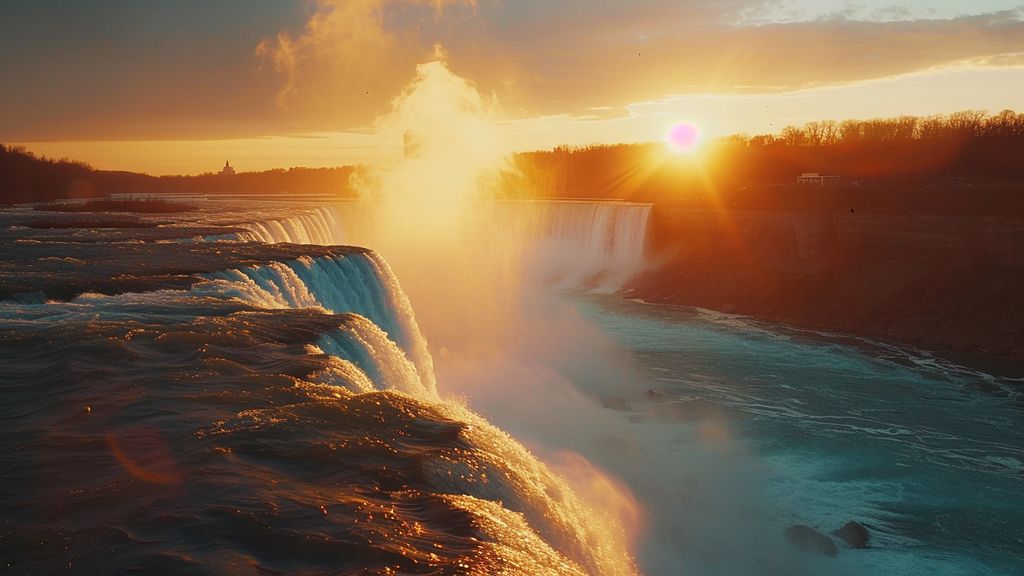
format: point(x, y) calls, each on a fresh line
point(683, 137)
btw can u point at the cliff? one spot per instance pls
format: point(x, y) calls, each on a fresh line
point(941, 282)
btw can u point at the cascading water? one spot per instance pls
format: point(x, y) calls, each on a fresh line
point(230, 340)
point(472, 280)
point(580, 244)
point(368, 347)
point(359, 283)
point(573, 244)
point(319, 226)
point(568, 244)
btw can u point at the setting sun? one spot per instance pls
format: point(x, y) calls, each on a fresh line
point(683, 138)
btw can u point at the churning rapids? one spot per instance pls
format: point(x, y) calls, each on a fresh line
point(240, 391)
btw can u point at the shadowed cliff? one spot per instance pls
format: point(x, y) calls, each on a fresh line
point(942, 282)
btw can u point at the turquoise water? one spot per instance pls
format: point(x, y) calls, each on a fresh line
point(927, 453)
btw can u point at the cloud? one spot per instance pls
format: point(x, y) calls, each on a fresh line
point(587, 67)
point(146, 69)
point(353, 53)
point(576, 56)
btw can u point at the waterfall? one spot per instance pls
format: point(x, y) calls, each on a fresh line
point(319, 226)
point(571, 244)
point(359, 283)
point(273, 285)
point(589, 244)
point(365, 284)
point(468, 277)
point(366, 346)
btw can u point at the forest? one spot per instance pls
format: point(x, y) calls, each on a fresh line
point(965, 162)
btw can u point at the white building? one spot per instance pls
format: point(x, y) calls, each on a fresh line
point(227, 170)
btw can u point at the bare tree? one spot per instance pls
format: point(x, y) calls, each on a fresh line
point(793, 136)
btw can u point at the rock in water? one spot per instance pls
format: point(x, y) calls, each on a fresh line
point(854, 534)
point(807, 539)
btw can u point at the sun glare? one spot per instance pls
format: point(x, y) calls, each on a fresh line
point(683, 137)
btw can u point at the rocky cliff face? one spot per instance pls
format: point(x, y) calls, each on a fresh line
point(940, 282)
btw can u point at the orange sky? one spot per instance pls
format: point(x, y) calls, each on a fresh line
point(138, 85)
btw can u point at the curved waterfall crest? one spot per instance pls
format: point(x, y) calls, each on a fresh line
point(361, 284)
point(365, 345)
point(318, 226)
point(593, 244)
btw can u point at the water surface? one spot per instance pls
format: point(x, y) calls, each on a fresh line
point(929, 454)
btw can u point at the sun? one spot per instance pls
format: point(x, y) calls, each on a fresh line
point(683, 137)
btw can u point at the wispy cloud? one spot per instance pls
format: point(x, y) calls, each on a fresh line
point(352, 48)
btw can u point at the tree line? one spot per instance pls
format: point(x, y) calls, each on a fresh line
point(964, 162)
point(969, 144)
point(25, 177)
point(965, 124)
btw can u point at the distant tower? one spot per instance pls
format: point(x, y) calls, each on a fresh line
point(227, 170)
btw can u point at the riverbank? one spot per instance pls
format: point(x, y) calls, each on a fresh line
point(939, 282)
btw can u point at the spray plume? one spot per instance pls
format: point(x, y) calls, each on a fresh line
point(461, 258)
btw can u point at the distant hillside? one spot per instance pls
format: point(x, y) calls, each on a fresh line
point(24, 177)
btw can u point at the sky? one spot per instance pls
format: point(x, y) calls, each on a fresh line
point(180, 86)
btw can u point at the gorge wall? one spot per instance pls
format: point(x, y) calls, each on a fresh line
point(946, 283)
